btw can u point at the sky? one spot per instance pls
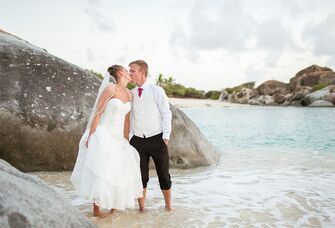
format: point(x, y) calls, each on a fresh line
point(205, 44)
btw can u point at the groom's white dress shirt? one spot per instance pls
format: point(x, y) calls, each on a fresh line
point(150, 113)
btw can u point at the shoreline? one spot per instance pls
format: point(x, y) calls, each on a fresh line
point(201, 103)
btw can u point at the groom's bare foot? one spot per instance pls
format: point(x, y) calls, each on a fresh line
point(169, 209)
point(113, 211)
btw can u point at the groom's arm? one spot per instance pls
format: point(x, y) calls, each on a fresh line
point(164, 109)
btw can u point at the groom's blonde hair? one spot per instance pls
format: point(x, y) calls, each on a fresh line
point(142, 64)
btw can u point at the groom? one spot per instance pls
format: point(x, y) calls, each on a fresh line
point(150, 121)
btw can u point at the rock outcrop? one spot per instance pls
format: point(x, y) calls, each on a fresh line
point(272, 86)
point(189, 147)
point(310, 76)
point(326, 94)
point(27, 201)
point(44, 105)
point(298, 92)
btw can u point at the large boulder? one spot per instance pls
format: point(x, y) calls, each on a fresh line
point(326, 94)
point(312, 76)
point(273, 86)
point(44, 105)
point(224, 95)
point(189, 147)
point(328, 78)
point(300, 92)
point(279, 98)
point(320, 103)
point(27, 201)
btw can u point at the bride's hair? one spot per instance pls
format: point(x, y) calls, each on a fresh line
point(113, 71)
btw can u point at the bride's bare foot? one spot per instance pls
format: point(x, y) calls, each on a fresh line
point(141, 209)
point(96, 210)
point(113, 211)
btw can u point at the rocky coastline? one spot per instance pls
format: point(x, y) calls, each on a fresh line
point(313, 86)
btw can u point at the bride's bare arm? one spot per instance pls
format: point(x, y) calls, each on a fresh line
point(127, 119)
point(126, 126)
point(107, 94)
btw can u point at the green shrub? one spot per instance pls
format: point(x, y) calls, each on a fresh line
point(97, 74)
point(237, 89)
point(319, 86)
point(213, 94)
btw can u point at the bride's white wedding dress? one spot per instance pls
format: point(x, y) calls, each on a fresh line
point(108, 171)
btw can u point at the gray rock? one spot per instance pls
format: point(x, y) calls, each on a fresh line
point(231, 97)
point(273, 86)
point(245, 95)
point(300, 92)
point(268, 100)
point(189, 147)
point(224, 95)
point(279, 98)
point(330, 98)
point(44, 105)
point(320, 103)
point(326, 92)
point(27, 201)
point(255, 101)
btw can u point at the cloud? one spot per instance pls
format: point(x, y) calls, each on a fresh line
point(211, 27)
point(274, 38)
point(321, 36)
point(272, 34)
point(99, 19)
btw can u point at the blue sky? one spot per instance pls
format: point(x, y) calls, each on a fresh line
point(206, 44)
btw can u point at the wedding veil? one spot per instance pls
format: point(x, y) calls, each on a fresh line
point(105, 82)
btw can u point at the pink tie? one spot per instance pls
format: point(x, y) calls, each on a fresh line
point(140, 91)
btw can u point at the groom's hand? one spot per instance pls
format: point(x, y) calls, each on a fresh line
point(166, 141)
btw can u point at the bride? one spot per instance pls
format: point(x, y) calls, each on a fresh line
point(107, 170)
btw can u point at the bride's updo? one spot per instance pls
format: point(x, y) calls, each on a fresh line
point(113, 71)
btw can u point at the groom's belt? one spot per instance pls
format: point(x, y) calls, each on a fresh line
point(147, 134)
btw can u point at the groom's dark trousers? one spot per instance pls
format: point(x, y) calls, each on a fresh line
point(156, 148)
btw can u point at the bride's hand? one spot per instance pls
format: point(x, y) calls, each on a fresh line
point(87, 142)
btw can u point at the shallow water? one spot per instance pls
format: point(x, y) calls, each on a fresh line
point(277, 169)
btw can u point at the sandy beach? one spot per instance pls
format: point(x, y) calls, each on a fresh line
point(200, 103)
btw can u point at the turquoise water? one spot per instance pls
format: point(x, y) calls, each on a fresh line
point(253, 128)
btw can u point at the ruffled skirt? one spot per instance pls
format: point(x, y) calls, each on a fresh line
point(108, 171)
